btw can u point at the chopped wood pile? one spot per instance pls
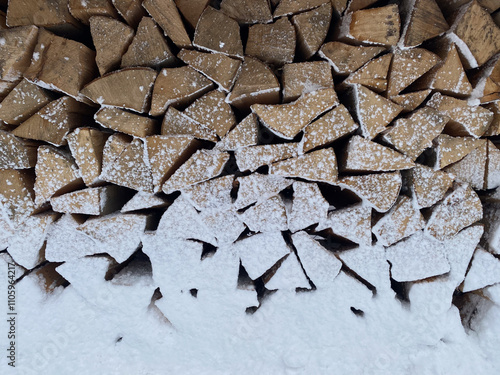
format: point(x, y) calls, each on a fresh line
point(254, 146)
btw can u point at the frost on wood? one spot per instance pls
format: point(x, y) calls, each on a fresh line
point(345, 58)
point(258, 187)
point(428, 186)
point(17, 195)
point(450, 149)
point(213, 194)
point(225, 225)
point(251, 158)
point(301, 78)
point(244, 134)
point(176, 123)
point(16, 153)
point(143, 201)
point(309, 207)
point(268, 216)
point(373, 74)
point(289, 275)
point(484, 271)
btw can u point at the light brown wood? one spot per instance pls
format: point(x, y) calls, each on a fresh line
point(219, 68)
point(287, 120)
point(372, 123)
point(288, 7)
point(267, 216)
point(258, 187)
point(216, 32)
point(114, 145)
point(320, 165)
point(428, 186)
point(212, 111)
point(16, 153)
point(328, 128)
point(256, 83)
point(472, 168)
point(362, 155)
point(213, 194)
point(412, 135)
point(312, 28)
point(253, 157)
point(450, 149)
point(177, 86)
point(494, 128)
point(54, 121)
point(411, 100)
point(22, 102)
point(309, 207)
point(166, 154)
point(192, 10)
point(126, 122)
point(166, 15)
point(177, 123)
point(450, 7)
point(129, 88)
point(91, 201)
point(301, 78)
point(148, 48)
point(490, 91)
point(373, 74)
point(464, 119)
point(272, 43)
point(345, 58)
point(339, 5)
point(53, 162)
point(130, 168)
point(61, 64)
point(83, 10)
point(87, 145)
point(376, 25)
point(379, 191)
point(131, 10)
point(111, 39)
point(422, 22)
point(16, 195)
point(248, 11)
point(144, 201)
point(244, 134)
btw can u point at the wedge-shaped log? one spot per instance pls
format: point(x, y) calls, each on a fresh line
point(267, 216)
point(472, 168)
point(165, 13)
point(492, 178)
point(247, 11)
point(216, 32)
point(144, 201)
point(82, 11)
point(148, 47)
point(91, 201)
point(256, 188)
point(111, 39)
point(287, 120)
point(362, 155)
point(312, 28)
point(213, 194)
point(379, 191)
point(219, 68)
point(484, 270)
point(465, 120)
point(411, 100)
point(192, 10)
point(53, 14)
point(309, 207)
point(166, 154)
point(373, 74)
point(61, 64)
point(126, 122)
point(177, 123)
point(225, 225)
point(320, 165)
point(289, 275)
point(56, 173)
point(428, 186)
point(129, 88)
point(459, 209)
point(288, 7)
point(376, 25)
point(130, 10)
point(16, 153)
point(87, 145)
point(346, 59)
point(301, 78)
point(272, 43)
point(400, 222)
point(54, 121)
point(17, 197)
point(450, 149)
point(328, 128)
point(177, 86)
point(201, 166)
point(244, 134)
point(412, 135)
point(22, 102)
point(256, 83)
point(422, 21)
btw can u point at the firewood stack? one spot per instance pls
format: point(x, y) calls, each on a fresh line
point(257, 144)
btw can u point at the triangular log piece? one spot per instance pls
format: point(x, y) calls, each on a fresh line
point(256, 83)
point(148, 48)
point(423, 21)
point(126, 122)
point(256, 188)
point(428, 186)
point(129, 88)
point(177, 123)
point(411, 100)
point(379, 191)
point(412, 135)
point(309, 207)
point(312, 28)
point(218, 67)
point(301, 78)
point(213, 194)
point(494, 128)
point(49, 13)
point(472, 168)
point(114, 146)
point(288, 7)
point(492, 179)
point(346, 59)
point(328, 128)
point(192, 10)
point(267, 216)
point(289, 275)
point(111, 39)
point(465, 120)
point(450, 149)
point(166, 154)
point(144, 201)
point(248, 11)
point(16, 195)
point(82, 11)
point(166, 15)
point(373, 74)
point(16, 153)
point(484, 271)
point(287, 120)
point(130, 10)
point(272, 43)
point(225, 225)
point(363, 155)
point(244, 134)
point(216, 32)
point(177, 86)
point(253, 157)
point(87, 145)
point(459, 209)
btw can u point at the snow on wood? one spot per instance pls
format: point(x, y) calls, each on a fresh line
point(494, 128)
point(126, 122)
point(380, 191)
point(411, 100)
point(312, 28)
point(289, 7)
point(226, 225)
point(49, 14)
point(17, 195)
point(256, 188)
point(253, 157)
point(301, 78)
point(492, 178)
point(244, 134)
point(176, 123)
point(472, 168)
point(450, 149)
point(320, 264)
point(353, 223)
point(247, 11)
point(82, 11)
point(459, 209)
point(16, 153)
point(287, 120)
point(288, 276)
point(346, 59)
point(213, 194)
point(131, 11)
point(309, 207)
point(401, 221)
point(423, 21)
point(484, 271)
point(373, 74)
point(267, 216)
point(143, 201)
point(318, 165)
point(491, 221)
point(362, 155)
point(428, 186)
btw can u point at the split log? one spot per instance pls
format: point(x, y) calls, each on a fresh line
point(148, 48)
point(16, 153)
point(411, 100)
point(289, 7)
point(131, 10)
point(309, 207)
point(248, 11)
point(494, 128)
point(177, 86)
point(346, 59)
point(472, 168)
point(423, 20)
point(192, 10)
point(484, 270)
point(177, 123)
point(267, 216)
point(312, 28)
point(449, 149)
point(289, 275)
point(253, 157)
point(374, 74)
point(82, 11)
point(244, 134)
point(492, 177)
point(301, 78)
point(17, 196)
point(450, 7)
point(256, 188)
point(428, 186)
point(91, 201)
point(213, 194)
point(126, 122)
point(225, 225)
point(143, 201)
